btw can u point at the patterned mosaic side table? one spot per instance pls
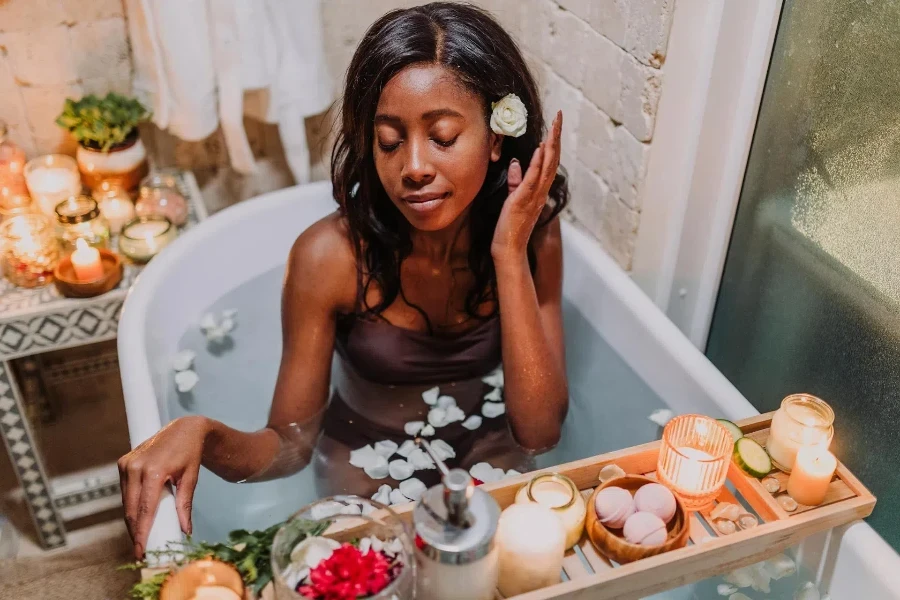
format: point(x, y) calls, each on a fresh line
point(34, 321)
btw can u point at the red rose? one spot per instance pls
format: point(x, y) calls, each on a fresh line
point(347, 574)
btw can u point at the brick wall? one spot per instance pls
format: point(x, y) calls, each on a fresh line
point(600, 61)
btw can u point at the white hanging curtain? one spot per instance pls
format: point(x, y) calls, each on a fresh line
point(202, 63)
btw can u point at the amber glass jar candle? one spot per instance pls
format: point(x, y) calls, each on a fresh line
point(79, 217)
point(12, 166)
point(693, 459)
point(30, 250)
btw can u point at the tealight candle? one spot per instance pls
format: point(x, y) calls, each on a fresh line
point(693, 459)
point(802, 421)
point(86, 262)
point(532, 543)
point(115, 206)
point(144, 237)
point(813, 469)
point(560, 494)
point(52, 179)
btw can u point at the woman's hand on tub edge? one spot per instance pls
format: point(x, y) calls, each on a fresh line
point(173, 455)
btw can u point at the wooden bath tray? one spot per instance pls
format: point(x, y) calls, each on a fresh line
point(592, 576)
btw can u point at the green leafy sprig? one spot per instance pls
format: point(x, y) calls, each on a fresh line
point(102, 123)
point(249, 552)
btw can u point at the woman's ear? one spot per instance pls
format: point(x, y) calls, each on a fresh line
point(496, 146)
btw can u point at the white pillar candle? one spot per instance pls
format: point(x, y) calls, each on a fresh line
point(691, 472)
point(532, 543)
point(811, 476)
point(117, 212)
point(52, 179)
point(86, 262)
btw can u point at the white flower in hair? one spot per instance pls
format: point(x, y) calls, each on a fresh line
point(509, 116)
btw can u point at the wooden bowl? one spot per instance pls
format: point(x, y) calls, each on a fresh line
point(611, 543)
point(207, 573)
point(69, 285)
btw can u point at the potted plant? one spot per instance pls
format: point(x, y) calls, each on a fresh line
point(109, 146)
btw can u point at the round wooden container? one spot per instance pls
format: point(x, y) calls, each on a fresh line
point(208, 573)
point(612, 544)
point(69, 285)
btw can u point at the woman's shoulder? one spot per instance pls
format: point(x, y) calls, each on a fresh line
point(323, 257)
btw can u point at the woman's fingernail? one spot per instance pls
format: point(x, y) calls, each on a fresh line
point(514, 161)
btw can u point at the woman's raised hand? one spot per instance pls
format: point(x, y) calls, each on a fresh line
point(173, 456)
point(527, 197)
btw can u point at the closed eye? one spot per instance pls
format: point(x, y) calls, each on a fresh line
point(445, 143)
point(388, 147)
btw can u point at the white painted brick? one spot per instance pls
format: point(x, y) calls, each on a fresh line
point(602, 80)
point(80, 11)
point(535, 18)
point(638, 98)
point(12, 107)
point(619, 230)
point(101, 49)
point(648, 30)
point(596, 145)
point(568, 38)
point(101, 86)
point(20, 135)
point(588, 195)
point(43, 104)
point(580, 8)
point(27, 15)
point(41, 56)
point(610, 18)
point(507, 13)
point(559, 95)
point(539, 69)
point(631, 165)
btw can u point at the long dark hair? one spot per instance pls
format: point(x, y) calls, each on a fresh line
point(469, 42)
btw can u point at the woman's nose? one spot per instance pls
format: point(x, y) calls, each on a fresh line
point(417, 167)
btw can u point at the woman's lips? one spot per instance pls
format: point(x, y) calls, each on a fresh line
point(426, 202)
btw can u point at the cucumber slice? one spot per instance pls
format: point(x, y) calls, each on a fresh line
point(752, 458)
point(735, 431)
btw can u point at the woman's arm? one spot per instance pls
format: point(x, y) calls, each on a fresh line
point(536, 390)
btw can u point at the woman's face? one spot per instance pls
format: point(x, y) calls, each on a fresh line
point(432, 145)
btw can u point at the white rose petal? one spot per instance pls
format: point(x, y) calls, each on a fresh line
point(495, 378)
point(400, 469)
point(208, 321)
point(377, 544)
point(229, 313)
point(496, 395)
point(427, 431)
point(482, 471)
point(743, 577)
point(325, 510)
point(781, 566)
point(394, 547)
point(378, 470)
point(499, 474)
point(412, 488)
point(419, 459)
point(406, 448)
point(385, 448)
point(215, 335)
point(493, 409)
point(365, 545)
point(185, 381)
point(443, 450)
point(413, 427)
point(726, 589)
point(661, 416)
point(472, 423)
point(454, 414)
point(383, 495)
point(397, 497)
point(313, 550)
point(227, 325)
point(294, 574)
point(513, 473)
point(431, 396)
point(368, 509)
point(183, 360)
point(363, 457)
point(761, 578)
point(509, 116)
point(351, 509)
point(446, 402)
point(437, 417)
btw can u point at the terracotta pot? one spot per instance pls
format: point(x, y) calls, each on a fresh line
point(123, 165)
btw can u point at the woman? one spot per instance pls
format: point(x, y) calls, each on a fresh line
point(442, 257)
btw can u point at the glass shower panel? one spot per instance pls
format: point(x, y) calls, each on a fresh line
point(810, 295)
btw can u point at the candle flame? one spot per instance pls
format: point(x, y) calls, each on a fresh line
point(80, 244)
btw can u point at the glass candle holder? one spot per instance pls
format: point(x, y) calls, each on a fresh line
point(30, 250)
point(12, 167)
point(79, 218)
point(115, 205)
point(693, 459)
point(143, 238)
point(561, 495)
point(52, 179)
point(13, 206)
point(159, 195)
point(344, 525)
point(802, 421)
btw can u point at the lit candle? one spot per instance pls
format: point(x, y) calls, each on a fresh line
point(690, 475)
point(52, 179)
point(559, 493)
point(811, 475)
point(693, 459)
point(86, 262)
point(117, 211)
point(802, 421)
point(144, 237)
point(532, 543)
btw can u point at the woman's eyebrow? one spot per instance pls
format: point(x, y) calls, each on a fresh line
point(431, 115)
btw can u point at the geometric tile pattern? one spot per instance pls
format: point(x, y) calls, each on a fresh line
point(36, 333)
point(84, 496)
point(19, 441)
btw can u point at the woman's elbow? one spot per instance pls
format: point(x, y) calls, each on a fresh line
point(543, 435)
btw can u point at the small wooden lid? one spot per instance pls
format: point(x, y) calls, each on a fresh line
point(70, 286)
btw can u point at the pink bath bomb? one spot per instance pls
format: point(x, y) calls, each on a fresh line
point(657, 499)
point(614, 505)
point(646, 529)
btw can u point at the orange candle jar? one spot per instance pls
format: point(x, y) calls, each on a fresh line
point(693, 459)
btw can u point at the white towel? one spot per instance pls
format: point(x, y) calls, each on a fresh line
point(196, 60)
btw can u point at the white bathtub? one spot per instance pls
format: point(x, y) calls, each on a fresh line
point(254, 237)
